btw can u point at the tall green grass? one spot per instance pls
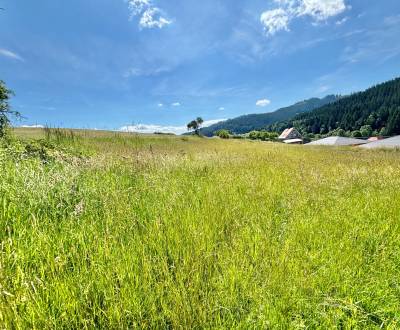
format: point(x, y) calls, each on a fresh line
point(125, 231)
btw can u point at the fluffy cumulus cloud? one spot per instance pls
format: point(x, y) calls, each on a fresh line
point(150, 15)
point(263, 103)
point(275, 20)
point(152, 18)
point(151, 128)
point(279, 19)
point(321, 10)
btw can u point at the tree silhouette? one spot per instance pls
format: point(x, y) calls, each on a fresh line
point(195, 125)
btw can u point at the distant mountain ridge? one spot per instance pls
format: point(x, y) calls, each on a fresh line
point(248, 123)
point(375, 111)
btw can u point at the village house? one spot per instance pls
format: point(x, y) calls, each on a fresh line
point(290, 136)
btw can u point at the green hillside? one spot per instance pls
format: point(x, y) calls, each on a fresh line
point(374, 111)
point(247, 123)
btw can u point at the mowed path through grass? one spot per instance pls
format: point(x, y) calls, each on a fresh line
point(122, 231)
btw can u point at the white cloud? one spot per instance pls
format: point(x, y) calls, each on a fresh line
point(212, 122)
point(275, 20)
point(221, 109)
point(176, 104)
point(323, 89)
point(10, 54)
point(379, 45)
point(279, 19)
point(152, 128)
point(263, 103)
point(152, 18)
point(321, 9)
point(32, 126)
point(146, 71)
point(342, 21)
point(150, 15)
point(160, 105)
point(137, 6)
point(392, 20)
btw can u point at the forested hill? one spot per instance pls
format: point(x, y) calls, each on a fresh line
point(245, 124)
point(374, 111)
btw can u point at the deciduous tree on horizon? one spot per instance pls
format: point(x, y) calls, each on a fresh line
point(195, 125)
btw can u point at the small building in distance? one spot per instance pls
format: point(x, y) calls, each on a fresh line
point(290, 134)
point(390, 143)
point(337, 141)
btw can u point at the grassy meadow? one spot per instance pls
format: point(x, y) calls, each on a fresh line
point(120, 231)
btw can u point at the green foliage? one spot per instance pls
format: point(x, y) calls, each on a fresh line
point(262, 135)
point(308, 137)
point(393, 123)
point(223, 134)
point(356, 134)
point(337, 132)
point(40, 150)
point(195, 125)
point(257, 122)
point(5, 110)
point(366, 130)
point(163, 232)
point(253, 135)
point(374, 110)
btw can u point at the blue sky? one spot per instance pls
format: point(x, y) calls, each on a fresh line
point(156, 64)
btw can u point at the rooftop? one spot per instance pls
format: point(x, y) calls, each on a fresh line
point(337, 141)
point(390, 143)
point(287, 133)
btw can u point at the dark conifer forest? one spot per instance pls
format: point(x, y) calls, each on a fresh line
point(375, 111)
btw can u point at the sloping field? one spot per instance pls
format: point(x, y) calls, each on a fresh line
point(123, 231)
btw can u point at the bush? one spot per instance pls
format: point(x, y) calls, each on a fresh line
point(356, 134)
point(262, 135)
point(223, 134)
point(253, 135)
point(366, 131)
